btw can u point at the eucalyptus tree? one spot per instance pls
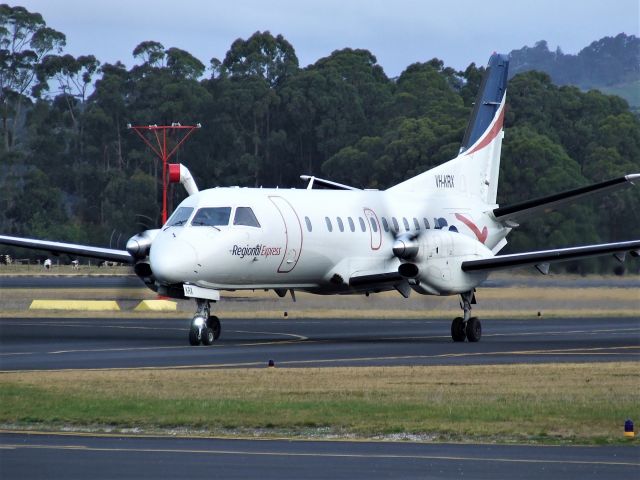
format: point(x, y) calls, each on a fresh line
point(256, 69)
point(24, 41)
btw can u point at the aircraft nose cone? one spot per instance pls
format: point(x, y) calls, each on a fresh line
point(172, 260)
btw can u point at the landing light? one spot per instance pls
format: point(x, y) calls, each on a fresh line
point(198, 322)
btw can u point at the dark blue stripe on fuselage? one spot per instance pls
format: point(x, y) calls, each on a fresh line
point(494, 84)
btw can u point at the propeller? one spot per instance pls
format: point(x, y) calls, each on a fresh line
point(406, 245)
point(138, 247)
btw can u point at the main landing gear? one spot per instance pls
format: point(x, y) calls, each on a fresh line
point(205, 328)
point(468, 327)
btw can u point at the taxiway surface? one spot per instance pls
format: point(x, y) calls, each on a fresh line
point(83, 456)
point(92, 343)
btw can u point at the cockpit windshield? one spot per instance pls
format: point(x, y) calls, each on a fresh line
point(179, 217)
point(245, 216)
point(212, 217)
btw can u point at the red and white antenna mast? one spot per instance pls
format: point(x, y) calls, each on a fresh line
point(160, 148)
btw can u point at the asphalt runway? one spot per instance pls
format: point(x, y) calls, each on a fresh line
point(85, 456)
point(62, 343)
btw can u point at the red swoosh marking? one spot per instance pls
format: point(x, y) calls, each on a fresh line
point(491, 134)
point(482, 236)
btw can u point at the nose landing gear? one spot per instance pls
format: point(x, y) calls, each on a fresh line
point(468, 327)
point(205, 328)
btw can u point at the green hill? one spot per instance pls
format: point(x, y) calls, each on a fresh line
point(611, 64)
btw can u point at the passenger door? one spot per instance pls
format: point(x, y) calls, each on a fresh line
point(374, 228)
point(293, 234)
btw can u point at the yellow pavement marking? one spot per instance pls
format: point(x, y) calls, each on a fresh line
point(157, 306)
point(321, 455)
point(110, 305)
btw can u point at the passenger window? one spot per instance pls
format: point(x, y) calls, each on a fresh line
point(179, 217)
point(340, 224)
point(245, 216)
point(426, 224)
point(362, 225)
point(396, 227)
point(374, 224)
point(308, 222)
point(385, 224)
point(329, 226)
point(416, 223)
point(351, 224)
point(212, 217)
point(406, 224)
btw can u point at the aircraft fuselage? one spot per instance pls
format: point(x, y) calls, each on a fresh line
point(315, 240)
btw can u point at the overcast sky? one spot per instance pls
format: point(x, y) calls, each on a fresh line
point(397, 32)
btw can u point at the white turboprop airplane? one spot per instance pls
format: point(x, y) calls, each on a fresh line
point(437, 233)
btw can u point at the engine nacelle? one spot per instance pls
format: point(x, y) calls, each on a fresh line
point(139, 245)
point(437, 269)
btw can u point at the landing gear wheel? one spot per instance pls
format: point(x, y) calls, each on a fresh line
point(194, 336)
point(207, 336)
point(474, 329)
point(214, 324)
point(457, 330)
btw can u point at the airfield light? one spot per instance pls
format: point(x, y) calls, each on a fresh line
point(628, 429)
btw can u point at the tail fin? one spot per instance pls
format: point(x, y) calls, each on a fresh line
point(488, 103)
point(475, 171)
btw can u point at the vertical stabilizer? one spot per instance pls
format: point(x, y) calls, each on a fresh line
point(475, 171)
point(488, 103)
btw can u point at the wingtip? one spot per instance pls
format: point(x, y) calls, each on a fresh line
point(632, 177)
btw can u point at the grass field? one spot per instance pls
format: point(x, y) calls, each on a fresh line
point(511, 302)
point(568, 403)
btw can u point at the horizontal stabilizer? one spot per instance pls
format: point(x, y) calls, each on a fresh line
point(516, 260)
point(513, 214)
point(70, 248)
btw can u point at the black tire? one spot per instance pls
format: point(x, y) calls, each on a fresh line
point(207, 336)
point(214, 324)
point(194, 336)
point(474, 329)
point(457, 330)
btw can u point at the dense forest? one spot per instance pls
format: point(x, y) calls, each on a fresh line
point(72, 171)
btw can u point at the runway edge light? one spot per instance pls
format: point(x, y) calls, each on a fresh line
point(628, 429)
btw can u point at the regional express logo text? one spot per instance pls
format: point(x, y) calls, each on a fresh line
point(257, 251)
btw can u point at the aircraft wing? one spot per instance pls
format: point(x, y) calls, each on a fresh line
point(513, 214)
point(71, 248)
point(543, 258)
